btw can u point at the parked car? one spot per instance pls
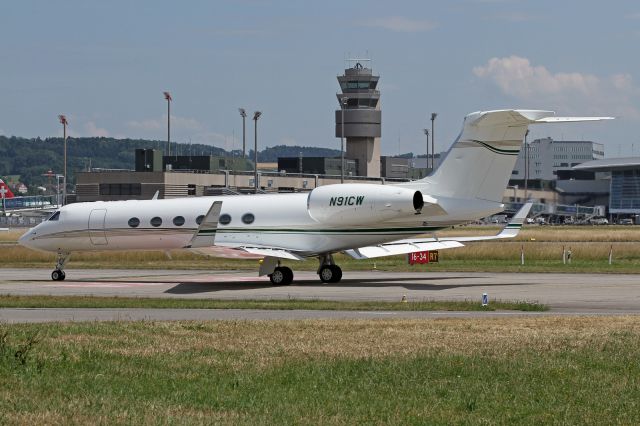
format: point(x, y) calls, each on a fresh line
point(625, 221)
point(598, 221)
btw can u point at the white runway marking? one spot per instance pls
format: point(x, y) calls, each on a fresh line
point(103, 285)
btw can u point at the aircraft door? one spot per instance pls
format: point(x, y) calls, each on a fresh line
point(97, 234)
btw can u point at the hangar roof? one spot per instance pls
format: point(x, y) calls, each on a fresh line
point(609, 164)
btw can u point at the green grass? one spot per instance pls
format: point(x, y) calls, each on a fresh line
point(542, 246)
point(499, 371)
point(9, 301)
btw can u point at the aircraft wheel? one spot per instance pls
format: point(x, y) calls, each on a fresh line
point(330, 274)
point(337, 274)
point(288, 275)
point(58, 275)
point(281, 276)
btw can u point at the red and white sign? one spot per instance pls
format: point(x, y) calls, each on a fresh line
point(423, 257)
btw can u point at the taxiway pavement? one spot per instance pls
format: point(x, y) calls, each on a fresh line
point(612, 292)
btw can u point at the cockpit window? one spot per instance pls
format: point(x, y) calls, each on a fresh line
point(55, 216)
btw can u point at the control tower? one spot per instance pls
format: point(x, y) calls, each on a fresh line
point(362, 116)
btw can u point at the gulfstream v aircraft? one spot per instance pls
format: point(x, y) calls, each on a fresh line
point(360, 220)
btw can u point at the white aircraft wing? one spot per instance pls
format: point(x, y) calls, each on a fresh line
point(206, 233)
point(271, 252)
point(407, 246)
point(570, 119)
point(422, 244)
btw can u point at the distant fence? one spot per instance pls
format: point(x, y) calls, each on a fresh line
point(21, 221)
point(31, 202)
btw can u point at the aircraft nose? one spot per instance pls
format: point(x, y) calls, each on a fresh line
point(26, 239)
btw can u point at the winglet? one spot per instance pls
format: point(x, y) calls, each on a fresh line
point(513, 227)
point(206, 234)
point(156, 195)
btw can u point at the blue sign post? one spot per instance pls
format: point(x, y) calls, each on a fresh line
point(485, 299)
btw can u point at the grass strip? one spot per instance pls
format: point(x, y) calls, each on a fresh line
point(10, 301)
point(551, 370)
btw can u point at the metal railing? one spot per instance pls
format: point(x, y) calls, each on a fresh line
point(34, 202)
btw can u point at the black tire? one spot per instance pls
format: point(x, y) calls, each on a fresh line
point(279, 276)
point(57, 275)
point(337, 274)
point(288, 274)
point(327, 273)
point(63, 276)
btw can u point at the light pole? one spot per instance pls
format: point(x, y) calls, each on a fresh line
point(243, 113)
point(343, 105)
point(63, 121)
point(167, 96)
point(426, 132)
point(526, 167)
point(433, 141)
point(256, 116)
point(58, 188)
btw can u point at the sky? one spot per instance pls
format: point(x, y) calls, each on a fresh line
point(105, 65)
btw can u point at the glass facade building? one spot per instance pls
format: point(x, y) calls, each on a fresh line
point(625, 191)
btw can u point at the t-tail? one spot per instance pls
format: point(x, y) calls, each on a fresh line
point(479, 163)
point(5, 189)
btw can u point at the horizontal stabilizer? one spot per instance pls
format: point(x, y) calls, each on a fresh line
point(570, 119)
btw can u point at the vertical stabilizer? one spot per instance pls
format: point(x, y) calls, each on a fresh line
point(479, 163)
point(5, 189)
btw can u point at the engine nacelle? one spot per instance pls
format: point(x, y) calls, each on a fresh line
point(357, 203)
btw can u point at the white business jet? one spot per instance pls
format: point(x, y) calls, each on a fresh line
point(361, 220)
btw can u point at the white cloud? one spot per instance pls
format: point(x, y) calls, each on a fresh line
point(633, 15)
point(146, 125)
point(153, 124)
point(92, 130)
point(400, 24)
point(572, 91)
point(2, 132)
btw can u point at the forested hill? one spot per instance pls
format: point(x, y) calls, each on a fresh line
point(30, 158)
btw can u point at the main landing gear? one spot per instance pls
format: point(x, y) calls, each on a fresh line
point(328, 271)
point(58, 273)
point(282, 275)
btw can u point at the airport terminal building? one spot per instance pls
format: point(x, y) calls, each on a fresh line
point(624, 189)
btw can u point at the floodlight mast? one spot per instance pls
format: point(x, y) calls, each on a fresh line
point(256, 116)
point(433, 141)
point(426, 132)
point(168, 97)
point(526, 167)
point(243, 114)
point(63, 121)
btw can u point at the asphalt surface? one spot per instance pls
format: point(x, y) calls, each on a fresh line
point(582, 294)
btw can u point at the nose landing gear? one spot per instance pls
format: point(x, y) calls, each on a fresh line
point(58, 273)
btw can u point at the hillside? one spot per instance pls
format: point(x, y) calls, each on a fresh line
point(31, 158)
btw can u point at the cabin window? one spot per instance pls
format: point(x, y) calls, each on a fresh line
point(248, 218)
point(224, 219)
point(156, 221)
point(178, 221)
point(134, 222)
point(55, 216)
point(199, 219)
